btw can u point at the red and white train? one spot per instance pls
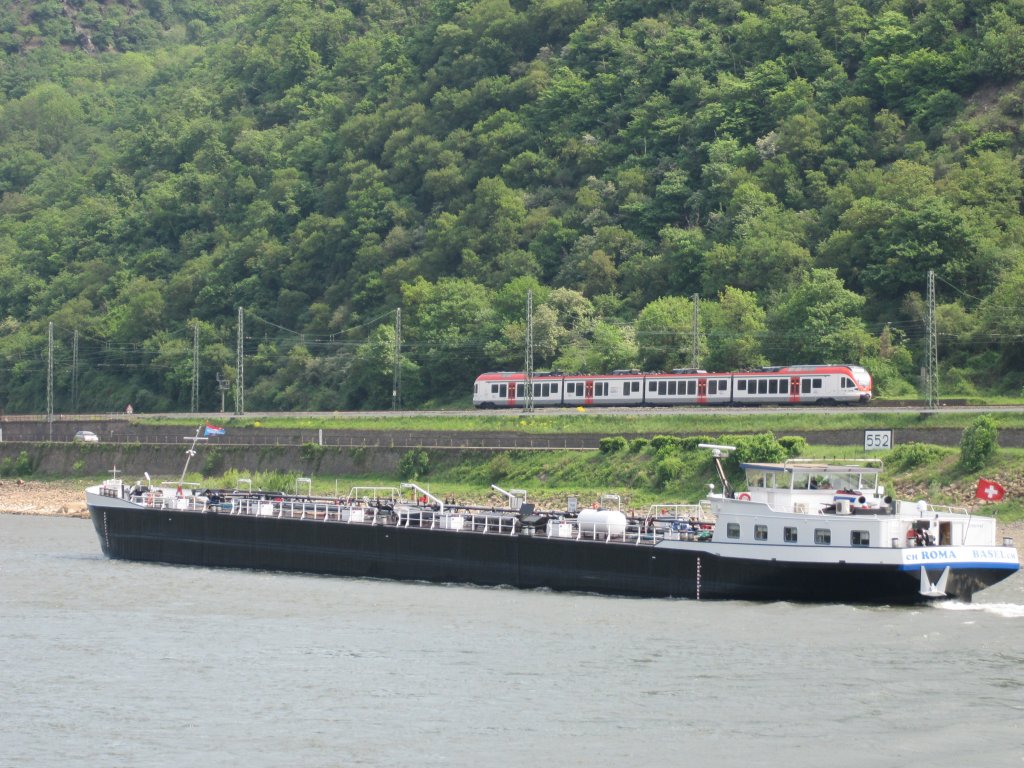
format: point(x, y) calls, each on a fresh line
point(782, 385)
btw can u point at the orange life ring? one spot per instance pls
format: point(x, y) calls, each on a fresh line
point(744, 497)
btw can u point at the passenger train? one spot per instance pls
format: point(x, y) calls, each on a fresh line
point(777, 385)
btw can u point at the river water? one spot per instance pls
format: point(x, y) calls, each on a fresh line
point(106, 663)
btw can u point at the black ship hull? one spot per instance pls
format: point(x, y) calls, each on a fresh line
point(219, 539)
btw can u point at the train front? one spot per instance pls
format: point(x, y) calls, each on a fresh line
point(862, 379)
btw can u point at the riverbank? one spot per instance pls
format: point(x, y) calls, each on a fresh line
point(32, 497)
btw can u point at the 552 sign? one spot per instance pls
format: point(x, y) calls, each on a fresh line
point(877, 439)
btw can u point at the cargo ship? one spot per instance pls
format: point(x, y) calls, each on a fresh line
point(798, 531)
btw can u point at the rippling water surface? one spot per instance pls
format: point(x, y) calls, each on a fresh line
point(107, 663)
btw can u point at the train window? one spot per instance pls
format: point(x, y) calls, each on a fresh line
point(783, 386)
point(494, 389)
point(761, 532)
point(816, 383)
point(652, 386)
point(661, 387)
point(502, 390)
point(671, 387)
point(732, 530)
point(762, 387)
point(601, 389)
point(847, 384)
point(723, 384)
point(773, 387)
point(520, 390)
point(789, 534)
point(713, 387)
point(805, 386)
point(554, 389)
point(741, 385)
point(691, 387)
point(860, 539)
point(822, 535)
point(752, 387)
point(636, 386)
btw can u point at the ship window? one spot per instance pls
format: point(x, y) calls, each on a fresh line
point(789, 534)
point(761, 532)
point(822, 535)
point(805, 385)
point(860, 538)
point(756, 478)
point(732, 530)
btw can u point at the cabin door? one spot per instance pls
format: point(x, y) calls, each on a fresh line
point(945, 534)
point(794, 389)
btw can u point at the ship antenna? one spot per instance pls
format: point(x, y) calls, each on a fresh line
point(718, 452)
point(191, 451)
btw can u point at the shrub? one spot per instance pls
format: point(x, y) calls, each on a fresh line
point(794, 445)
point(668, 469)
point(660, 442)
point(978, 443)
point(759, 448)
point(414, 464)
point(612, 444)
point(638, 444)
point(311, 452)
point(910, 455)
point(23, 465)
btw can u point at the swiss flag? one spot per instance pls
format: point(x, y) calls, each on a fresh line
point(989, 490)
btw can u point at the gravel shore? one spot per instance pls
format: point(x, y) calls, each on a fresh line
point(32, 497)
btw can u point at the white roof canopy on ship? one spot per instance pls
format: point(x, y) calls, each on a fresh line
point(811, 476)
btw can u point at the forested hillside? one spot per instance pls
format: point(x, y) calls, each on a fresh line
point(799, 165)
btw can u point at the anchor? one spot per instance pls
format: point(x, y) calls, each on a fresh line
point(938, 589)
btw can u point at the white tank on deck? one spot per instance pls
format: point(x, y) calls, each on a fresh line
point(602, 522)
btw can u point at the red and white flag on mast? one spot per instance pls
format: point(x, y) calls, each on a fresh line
point(989, 490)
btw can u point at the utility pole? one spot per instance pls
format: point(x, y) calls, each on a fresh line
point(195, 368)
point(529, 352)
point(932, 364)
point(223, 384)
point(49, 380)
point(396, 379)
point(240, 365)
point(695, 348)
point(74, 372)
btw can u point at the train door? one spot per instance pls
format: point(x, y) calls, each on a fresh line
point(794, 389)
point(512, 387)
point(588, 392)
point(702, 391)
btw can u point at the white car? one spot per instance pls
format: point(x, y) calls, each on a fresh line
point(85, 436)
